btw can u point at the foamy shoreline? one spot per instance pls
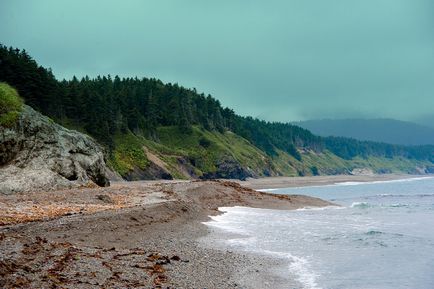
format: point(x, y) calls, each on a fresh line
point(351, 183)
point(273, 183)
point(139, 219)
point(129, 234)
point(353, 215)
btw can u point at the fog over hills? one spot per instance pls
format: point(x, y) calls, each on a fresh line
point(426, 120)
point(379, 130)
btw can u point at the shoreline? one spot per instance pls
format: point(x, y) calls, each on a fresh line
point(265, 269)
point(139, 234)
point(135, 235)
point(257, 270)
point(309, 181)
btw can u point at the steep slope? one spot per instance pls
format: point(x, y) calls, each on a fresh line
point(197, 154)
point(378, 130)
point(36, 153)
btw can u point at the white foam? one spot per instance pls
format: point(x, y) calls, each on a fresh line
point(305, 276)
point(267, 190)
point(349, 184)
point(320, 208)
point(315, 247)
point(362, 205)
point(300, 267)
point(380, 182)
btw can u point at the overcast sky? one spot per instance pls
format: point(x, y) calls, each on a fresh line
point(277, 59)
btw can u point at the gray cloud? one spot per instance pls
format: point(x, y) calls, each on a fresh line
point(277, 60)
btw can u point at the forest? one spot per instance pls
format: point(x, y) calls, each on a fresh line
point(108, 105)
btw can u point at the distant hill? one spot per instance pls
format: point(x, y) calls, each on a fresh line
point(378, 130)
point(426, 120)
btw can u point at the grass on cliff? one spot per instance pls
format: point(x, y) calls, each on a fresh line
point(205, 149)
point(10, 105)
point(327, 163)
point(128, 154)
point(197, 152)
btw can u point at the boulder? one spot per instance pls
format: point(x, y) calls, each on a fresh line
point(38, 154)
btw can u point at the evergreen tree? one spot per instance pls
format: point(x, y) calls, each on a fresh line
point(104, 107)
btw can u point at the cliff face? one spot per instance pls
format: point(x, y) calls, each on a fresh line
point(38, 154)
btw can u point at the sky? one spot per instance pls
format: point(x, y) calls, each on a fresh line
point(278, 60)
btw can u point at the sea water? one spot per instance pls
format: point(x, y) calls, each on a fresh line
point(381, 236)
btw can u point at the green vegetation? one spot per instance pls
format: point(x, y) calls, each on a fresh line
point(128, 154)
point(190, 133)
point(218, 146)
point(184, 154)
point(10, 105)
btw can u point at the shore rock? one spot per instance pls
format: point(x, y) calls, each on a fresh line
point(38, 154)
point(229, 169)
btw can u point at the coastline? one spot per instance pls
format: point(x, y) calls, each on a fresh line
point(147, 234)
point(287, 182)
point(138, 235)
point(253, 269)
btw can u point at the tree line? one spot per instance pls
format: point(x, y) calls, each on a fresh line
point(104, 106)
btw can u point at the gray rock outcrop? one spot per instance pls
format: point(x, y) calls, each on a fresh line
point(38, 154)
point(228, 168)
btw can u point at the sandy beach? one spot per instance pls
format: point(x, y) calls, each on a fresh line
point(131, 234)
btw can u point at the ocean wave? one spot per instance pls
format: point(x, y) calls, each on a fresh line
point(412, 196)
point(361, 205)
point(319, 208)
point(347, 184)
point(404, 196)
point(300, 267)
point(398, 205)
point(366, 205)
point(384, 195)
point(380, 182)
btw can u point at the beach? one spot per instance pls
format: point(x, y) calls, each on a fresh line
point(131, 234)
point(147, 234)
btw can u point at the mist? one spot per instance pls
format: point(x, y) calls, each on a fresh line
point(275, 60)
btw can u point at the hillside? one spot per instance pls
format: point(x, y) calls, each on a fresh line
point(151, 129)
point(426, 120)
point(378, 130)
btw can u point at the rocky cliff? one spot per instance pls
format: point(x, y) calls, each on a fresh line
point(38, 154)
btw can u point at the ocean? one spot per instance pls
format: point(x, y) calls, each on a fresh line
point(381, 236)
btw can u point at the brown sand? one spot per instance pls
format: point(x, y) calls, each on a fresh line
point(130, 235)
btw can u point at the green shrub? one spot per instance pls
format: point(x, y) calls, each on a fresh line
point(204, 142)
point(128, 154)
point(10, 105)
